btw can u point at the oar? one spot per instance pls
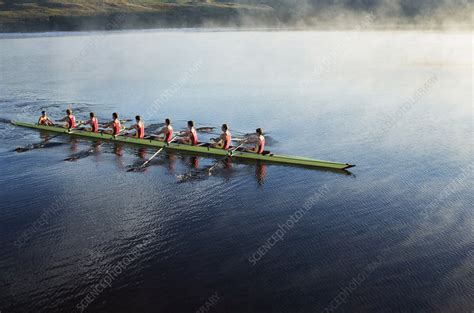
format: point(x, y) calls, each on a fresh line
point(156, 153)
point(121, 121)
point(35, 145)
point(121, 132)
point(224, 158)
point(209, 125)
point(152, 157)
point(205, 125)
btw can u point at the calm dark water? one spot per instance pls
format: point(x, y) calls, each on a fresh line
point(395, 236)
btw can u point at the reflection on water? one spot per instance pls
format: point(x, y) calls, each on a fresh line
point(221, 167)
point(260, 173)
point(44, 143)
point(94, 148)
point(396, 104)
point(141, 153)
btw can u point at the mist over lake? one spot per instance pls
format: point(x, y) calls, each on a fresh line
point(393, 235)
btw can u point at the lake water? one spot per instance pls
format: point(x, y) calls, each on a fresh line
point(394, 236)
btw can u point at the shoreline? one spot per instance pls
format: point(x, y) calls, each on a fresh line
point(408, 28)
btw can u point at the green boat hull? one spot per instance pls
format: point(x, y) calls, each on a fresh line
point(273, 158)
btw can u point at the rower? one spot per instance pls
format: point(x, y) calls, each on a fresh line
point(93, 122)
point(260, 145)
point(166, 131)
point(115, 125)
point(225, 139)
point(139, 126)
point(190, 134)
point(69, 119)
point(45, 120)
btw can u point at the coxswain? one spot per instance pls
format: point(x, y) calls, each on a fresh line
point(114, 125)
point(224, 140)
point(93, 122)
point(190, 135)
point(139, 127)
point(260, 144)
point(45, 120)
point(166, 131)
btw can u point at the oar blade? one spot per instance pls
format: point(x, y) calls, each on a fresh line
point(32, 146)
point(23, 149)
point(136, 169)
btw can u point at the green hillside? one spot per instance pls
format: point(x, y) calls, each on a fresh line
point(70, 15)
point(75, 15)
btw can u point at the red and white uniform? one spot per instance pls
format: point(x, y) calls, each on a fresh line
point(169, 134)
point(260, 144)
point(227, 140)
point(43, 120)
point(193, 136)
point(140, 130)
point(71, 121)
point(117, 127)
point(94, 122)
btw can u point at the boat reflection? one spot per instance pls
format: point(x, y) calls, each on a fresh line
point(192, 161)
point(188, 170)
point(260, 173)
point(141, 153)
point(45, 136)
point(172, 157)
point(74, 143)
point(94, 148)
point(223, 168)
point(118, 149)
